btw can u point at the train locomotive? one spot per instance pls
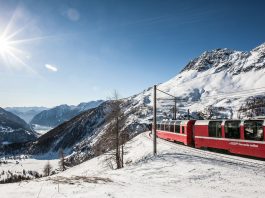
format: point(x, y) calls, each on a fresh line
point(241, 137)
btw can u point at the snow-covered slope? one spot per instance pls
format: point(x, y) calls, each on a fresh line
point(219, 81)
point(14, 166)
point(57, 115)
point(177, 171)
point(79, 134)
point(13, 129)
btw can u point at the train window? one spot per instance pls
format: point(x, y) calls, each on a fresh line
point(232, 129)
point(158, 127)
point(183, 129)
point(177, 128)
point(171, 128)
point(167, 127)
point(253, 130)
point(214, 129)
point(161, 127)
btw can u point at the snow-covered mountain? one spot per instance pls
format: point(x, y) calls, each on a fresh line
point(13, 129)
point(82, 131)
point(219, 81)
point(217, 84)
point(57, 115)
point(26, 113)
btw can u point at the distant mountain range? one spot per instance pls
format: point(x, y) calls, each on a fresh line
point(13, 129)
point(26, 113)
point(60, 114)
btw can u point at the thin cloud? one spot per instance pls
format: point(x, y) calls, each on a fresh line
point(52, 68)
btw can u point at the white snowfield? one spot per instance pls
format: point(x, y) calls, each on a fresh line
point(21, 163)
point(177, 171)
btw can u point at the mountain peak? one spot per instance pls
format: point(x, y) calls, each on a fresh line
point(232, 61)
point(260, 48)
point(209, 59)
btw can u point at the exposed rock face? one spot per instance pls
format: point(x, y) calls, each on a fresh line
point(234, 62)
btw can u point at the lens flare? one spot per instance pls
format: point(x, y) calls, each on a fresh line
point(13, 43)
point(4, 46)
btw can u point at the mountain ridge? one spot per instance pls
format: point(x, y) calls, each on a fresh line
point(223, 58)
point(25, 113)
point(13, 129)
point(59, 114)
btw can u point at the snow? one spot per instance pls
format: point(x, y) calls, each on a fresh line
point(19, 164)
point(208, 88)
point(41, 129)
point(6, 129)
point(177, 171)
point(218, 78)
point(5, 143)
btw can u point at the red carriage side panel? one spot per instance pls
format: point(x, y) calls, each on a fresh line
point(172, 136)
point(178, 131)
point(246, 138)
point(200, 129)
point(252, 140)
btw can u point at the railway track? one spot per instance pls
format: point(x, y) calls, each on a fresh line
point(225, 158)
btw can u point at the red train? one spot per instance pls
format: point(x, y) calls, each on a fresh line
point(243, 137)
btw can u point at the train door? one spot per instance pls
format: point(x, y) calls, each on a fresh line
point(190, 132)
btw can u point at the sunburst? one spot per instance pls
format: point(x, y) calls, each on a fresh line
point(10, 53)
point(13, 43)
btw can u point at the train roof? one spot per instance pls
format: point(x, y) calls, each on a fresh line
point(203, 122)
point(183, 122)
point(206, 122)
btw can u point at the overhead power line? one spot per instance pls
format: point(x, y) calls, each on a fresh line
point(247, 92)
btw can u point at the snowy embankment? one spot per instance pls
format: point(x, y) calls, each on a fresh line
point(24, 166)
point(177, 171)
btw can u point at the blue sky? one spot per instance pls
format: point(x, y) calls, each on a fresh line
point(75, 51)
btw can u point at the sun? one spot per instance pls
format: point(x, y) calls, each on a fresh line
point(5, 46)
point(12, 50)
point(14, 44)
point(10, 54)
point(18, 38)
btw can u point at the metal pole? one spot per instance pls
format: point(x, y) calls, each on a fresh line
point(154, 121)
point(175, 109)
point(188, 114)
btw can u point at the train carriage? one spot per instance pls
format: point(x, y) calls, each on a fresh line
point(244, 137)
point(176, 130)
